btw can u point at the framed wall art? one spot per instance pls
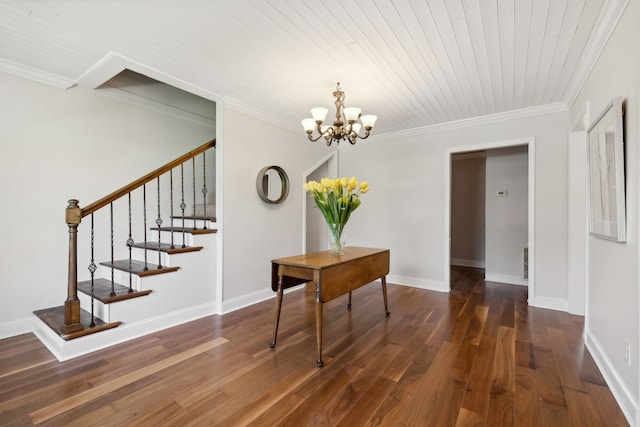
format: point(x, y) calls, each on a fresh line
point(606, 174)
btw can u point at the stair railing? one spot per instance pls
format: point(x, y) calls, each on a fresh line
point(74, 214)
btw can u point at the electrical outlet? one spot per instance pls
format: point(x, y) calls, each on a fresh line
point(627, 352)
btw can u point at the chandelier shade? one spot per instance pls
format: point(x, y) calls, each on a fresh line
point(347, 124)
point(319, 113)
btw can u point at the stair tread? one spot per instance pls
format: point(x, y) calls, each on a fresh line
point(54, 318)
point(166, 247)
point(102, 291)
point(138, 267)
point(187, 230)
point(197, 218)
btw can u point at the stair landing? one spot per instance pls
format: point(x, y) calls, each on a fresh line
point(54, 318)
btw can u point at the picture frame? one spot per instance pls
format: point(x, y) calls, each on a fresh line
point(607, 208)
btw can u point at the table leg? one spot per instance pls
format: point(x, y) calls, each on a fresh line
point(349, 303)
point(276, 320)
point(384, 294)
point(319, 326)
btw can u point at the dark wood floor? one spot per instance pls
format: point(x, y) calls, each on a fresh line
point(476, 357)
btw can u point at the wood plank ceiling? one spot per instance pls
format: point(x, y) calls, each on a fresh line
point(413, 63)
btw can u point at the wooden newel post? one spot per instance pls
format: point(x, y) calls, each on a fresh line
point(72, 323)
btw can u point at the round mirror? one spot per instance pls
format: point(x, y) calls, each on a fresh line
point(272, 184)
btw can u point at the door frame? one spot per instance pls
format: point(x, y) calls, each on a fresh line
point(449, 152)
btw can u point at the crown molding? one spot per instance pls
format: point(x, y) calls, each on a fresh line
point(113, 63)
point(605, 25)
point(102, 71)
point(157, 106)
point(241, 107)
point(557, 107)
point(29, 73)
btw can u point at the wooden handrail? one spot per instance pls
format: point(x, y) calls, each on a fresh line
point(87, 210)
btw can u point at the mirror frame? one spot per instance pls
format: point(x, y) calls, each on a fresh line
point(283, 178)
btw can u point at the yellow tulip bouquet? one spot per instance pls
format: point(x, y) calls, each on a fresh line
point(336, 199)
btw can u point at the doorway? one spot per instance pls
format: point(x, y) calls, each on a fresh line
point(315, 234)
point(468, 207)
point(499, 240)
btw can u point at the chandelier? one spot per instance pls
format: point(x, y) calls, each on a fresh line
point(346, 125)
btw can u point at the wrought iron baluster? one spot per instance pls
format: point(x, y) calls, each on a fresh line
point(144, 206)
point(204, 190)
point(171, 203)
point(113, 262)
point(193, 167)
point(159, 224)
point(182, 204)
point(92, 270)
point(130, 245)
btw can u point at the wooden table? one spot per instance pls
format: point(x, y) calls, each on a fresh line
point(333, 275)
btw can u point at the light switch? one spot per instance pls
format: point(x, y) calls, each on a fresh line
point(503, 193)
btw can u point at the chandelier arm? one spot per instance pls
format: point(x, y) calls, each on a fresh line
point(366, 133)
point(328, 134)
point(311, 138)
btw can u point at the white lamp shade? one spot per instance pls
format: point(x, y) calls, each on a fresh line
point(368, 120)
point(319, 113)
point(356, 128)
point(308, 125)
point(351, 114)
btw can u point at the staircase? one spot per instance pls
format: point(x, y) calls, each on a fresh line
point(167, 278)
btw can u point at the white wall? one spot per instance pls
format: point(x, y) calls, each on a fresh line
point(612, 293)
point(63, 144)
point(404, 210)
point(506, 213)
point(255, 232)
point(468, 178)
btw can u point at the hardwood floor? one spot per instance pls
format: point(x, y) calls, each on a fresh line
point(478, 356)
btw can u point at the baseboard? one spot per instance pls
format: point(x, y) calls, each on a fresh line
point(16, 327)
point(550, 303)
point(243, 301)
point(431, 285)
point(65, 350)
point(467, 262)
point(629, 407)
point(510, 279)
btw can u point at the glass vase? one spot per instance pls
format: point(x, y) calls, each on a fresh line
point(336, 239)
